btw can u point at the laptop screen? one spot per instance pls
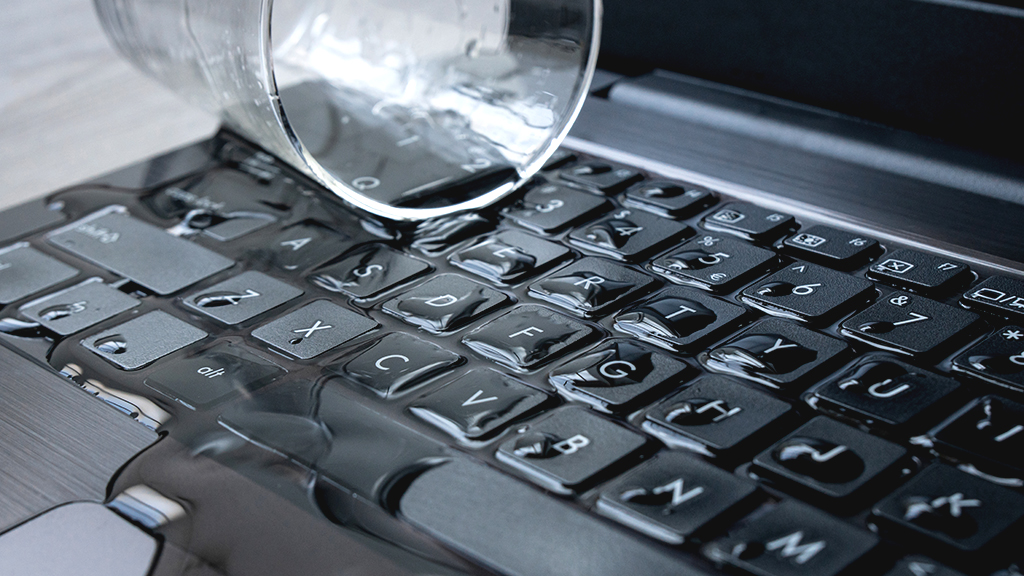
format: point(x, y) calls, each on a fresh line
point(949, 69)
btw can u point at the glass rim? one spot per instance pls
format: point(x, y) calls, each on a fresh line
point(355, 198)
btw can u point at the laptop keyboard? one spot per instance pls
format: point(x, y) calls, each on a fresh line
point(679, 376)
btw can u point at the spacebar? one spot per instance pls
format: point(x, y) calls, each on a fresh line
point(513, 529)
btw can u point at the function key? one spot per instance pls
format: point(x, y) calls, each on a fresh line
point(369, 271)
point(880, 389)
point(569, 449)
point(920, 272)
point(143, 340)
point(831, 247)
point(139, 251)
point(959, 511)
point(305, 245)
point(680, 319)
point(551, 208)
point(80, 307)
point(669, 199)
point(397, 363)
point(606, 177)
point(749, 222)
point(509, 257)
point(527, 337)
point(921, 566)
point(998, 359)
point(989, 429)
point(809, 293)
point(775, 353)
point(617, 376)
point(243, 297)
point(592, 286)
point(205, 379)
point(716, 264)
point(25, 271)
point(999, 295)
point(793, 539)
point(910, 324)
point(439, 234)
point(314, 329)
point(718, 413)
point(630, 235)
point(831, 460)
point(674, 495)
point(479, 404)
point(445, 303)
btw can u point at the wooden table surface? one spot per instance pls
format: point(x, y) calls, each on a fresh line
point(70, 107)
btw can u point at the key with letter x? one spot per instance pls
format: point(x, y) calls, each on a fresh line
point(314, 329)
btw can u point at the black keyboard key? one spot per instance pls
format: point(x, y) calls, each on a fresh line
point(669, 199)
point(911, 324)
point(630, 235)
point(809, 293)
point(569, 449)
point(445, 303)
point(314, 329)
point(519, 531)
point(714, 415)
point(998, 359)
point(920, 272)
point(749, 222)
point(989, 430)
point(999, 295)
point(793, 539)
point(235, 228)
point(397, 363)
point(775, 353)
point(139, 251)
point(527, 337)
point(143, 340)
point(958, 511)
point(551, 208)
point(826, 461)
point(479, 404)
point(617, 376)
point(242, 297)
point(606, 177)
point(880, 389)
point(714, 263)
point(304, 246)
point(680, 319)
point(79, 307)
point(673, 496)
point(25, 271)
point(212, 375)
point(592, 286)
point(560, 158)
point(509, 257)
point(369, 271)
point(831, 247)
point(921, 566)
point(439, 234)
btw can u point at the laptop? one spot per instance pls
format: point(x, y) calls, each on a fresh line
point(763, 313)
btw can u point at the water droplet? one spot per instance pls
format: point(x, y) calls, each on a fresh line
point(115, 344)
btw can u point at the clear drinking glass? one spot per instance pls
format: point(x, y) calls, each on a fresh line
point(408, 109)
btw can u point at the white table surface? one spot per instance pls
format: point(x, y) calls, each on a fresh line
point(70, 107)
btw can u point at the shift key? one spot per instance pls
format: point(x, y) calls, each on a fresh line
point(140, 252)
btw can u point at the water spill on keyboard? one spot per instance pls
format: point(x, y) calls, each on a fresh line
point(609, 372)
